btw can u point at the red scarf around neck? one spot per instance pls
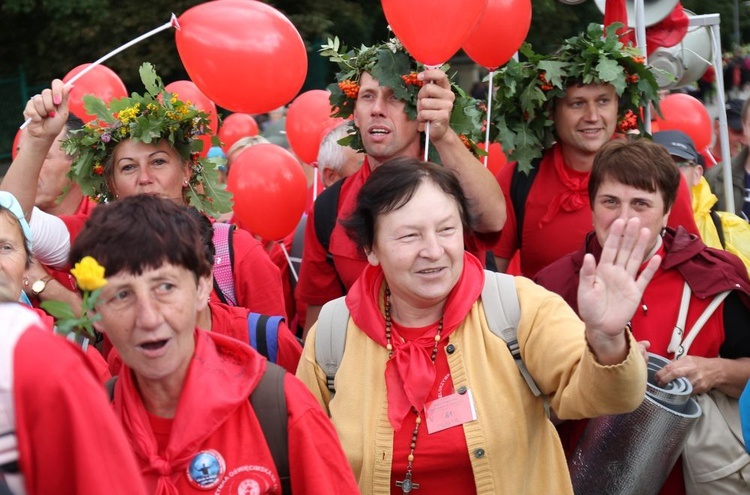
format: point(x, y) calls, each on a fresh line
point(576, 193)
point(222, 374)
point(410, 374)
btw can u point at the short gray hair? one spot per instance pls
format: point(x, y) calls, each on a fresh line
point(331, 153)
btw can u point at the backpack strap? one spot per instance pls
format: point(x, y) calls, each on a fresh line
point(223, 263)
point(269, 403)
point(263, 334)
point(503, 313)
point(520, 186)
point(679, 344)
point(719, 228)
point(295, 253)
point(326, 213)
point(330, 338)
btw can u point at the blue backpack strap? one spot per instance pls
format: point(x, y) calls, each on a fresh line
point(223, 259)
point(263, 332)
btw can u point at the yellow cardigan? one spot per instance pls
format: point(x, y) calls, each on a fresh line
point(513, 447)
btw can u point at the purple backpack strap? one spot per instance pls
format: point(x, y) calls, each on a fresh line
point(223, 279)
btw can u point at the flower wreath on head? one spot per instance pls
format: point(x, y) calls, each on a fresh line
point(525, 90)
point(148, 118)
point(393, 67)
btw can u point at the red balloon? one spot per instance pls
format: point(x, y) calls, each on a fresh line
point(308, 114)
point(499, 33)
point(16, 141)
point(101, 81)
point(496, 158)
point(243, 54)
point(433, 30)
point(235, 127)
point(188, 91)
point(684, 113)
point(270, 190)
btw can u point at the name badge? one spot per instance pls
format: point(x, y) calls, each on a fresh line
point(451, 410)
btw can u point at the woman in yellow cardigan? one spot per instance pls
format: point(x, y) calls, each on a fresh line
point(427, 397)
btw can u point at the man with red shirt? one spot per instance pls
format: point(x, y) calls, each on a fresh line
point(553, 212)
point(390, 112)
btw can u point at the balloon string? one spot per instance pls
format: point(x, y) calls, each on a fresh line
point(289, 260)
point(172, 23)
point(315, 183)
point(487, 125)
point(427, 126)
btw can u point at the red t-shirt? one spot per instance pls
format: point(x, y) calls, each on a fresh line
point(214, 416)
point(69, 440)
point(564, 234)
point(441, 459)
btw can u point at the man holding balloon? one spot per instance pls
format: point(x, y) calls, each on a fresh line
point(390, 112)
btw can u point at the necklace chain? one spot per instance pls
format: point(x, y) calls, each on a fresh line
point(407, 485)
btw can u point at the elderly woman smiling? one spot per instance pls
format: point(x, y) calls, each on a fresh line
point(426, 395)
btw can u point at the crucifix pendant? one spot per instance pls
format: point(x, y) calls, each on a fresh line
point(407, 485)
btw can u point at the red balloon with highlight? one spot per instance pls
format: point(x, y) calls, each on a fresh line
point(243, 54)
point(433, 30)
point(270, 190)
point(236, 127)
point(101, 81)
point(308, 114)
point(499, 33)
point(684, 113)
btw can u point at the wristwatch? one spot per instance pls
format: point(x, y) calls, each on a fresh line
point(39, 286)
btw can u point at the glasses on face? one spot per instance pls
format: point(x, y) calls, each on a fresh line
point(684, 164)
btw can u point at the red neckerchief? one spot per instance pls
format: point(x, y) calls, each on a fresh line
point(222, 374)
point(410, 374)
point(576, 194)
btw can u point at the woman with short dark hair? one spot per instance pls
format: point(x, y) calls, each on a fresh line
point(427, 395)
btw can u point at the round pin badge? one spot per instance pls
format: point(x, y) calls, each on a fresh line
point(206, 470)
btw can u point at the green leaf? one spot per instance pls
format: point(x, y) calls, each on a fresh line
point(151, 81)
point(59, 310)
point(610, 71)
point(95, 106)
point(554, 71)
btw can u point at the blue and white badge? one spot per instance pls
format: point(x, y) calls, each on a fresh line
point(206, 470)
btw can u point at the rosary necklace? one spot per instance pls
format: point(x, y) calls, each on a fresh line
point(407, 485)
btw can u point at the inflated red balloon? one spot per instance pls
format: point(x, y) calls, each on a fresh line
point(499, 33)
point(308, 114)
point(188, 91)
point(235, 127)
point(101, 81)
point(433, 30)
point(243, 54)
point(270, 190)
point(684, 113)
point(16, 140)
point(496, 158)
